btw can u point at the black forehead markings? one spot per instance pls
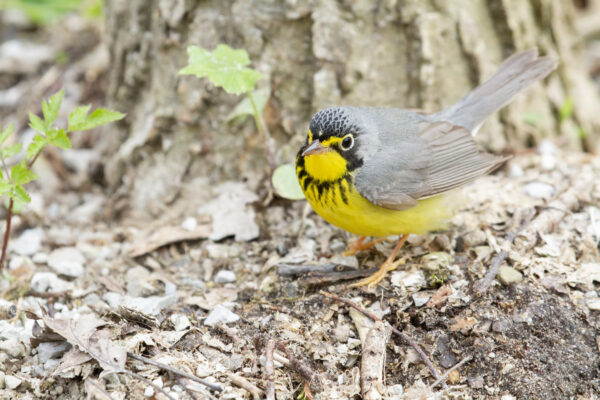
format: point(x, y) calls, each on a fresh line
point(331, 122)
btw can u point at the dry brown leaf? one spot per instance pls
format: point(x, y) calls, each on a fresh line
point(464, 325)
point(440, 296)
point(84, 334)
point(165, 235)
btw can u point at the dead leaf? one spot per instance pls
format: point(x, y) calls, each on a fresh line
point(84, 334)
point(440, 296)
point(463, 325)
point(165, 235)
point(72, 358)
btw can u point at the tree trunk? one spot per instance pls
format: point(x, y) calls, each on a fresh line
point(406, 53)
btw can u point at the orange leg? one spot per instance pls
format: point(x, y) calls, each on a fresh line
point(388, 265)
point(359, 245)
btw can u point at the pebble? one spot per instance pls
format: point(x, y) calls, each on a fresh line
point(19, 262)
point(508, 275)
point(421, 298)
point(411, 280)
point(436, 260)
point(67, 261)
point(49, 350)
point(180, 322)
point(224, 276)
point(189, 224)
point(43, 282)
point(216, 250)
point(2, 378)
point(137, 282)
point(515, 171)
point(40, 258)
point(12, 382)
point(476, 382)
point(474, 238)
point(220, 314)
point(149, 391)
point(13, 347)
point(28, 243)
point(593, 303)
point(540, 190)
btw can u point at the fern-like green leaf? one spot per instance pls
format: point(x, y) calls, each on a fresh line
point(37, 124)
point(224, 67)
point(10, 151)
point(6, 132)
point(21, 174)
point(51, 108)
point(36, 146)
point(59, 138)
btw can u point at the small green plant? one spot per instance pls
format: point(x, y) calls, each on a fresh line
point(228, 68)
point(43, 12)
point(48, 134)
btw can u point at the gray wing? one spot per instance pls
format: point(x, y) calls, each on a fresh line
point(435, 157)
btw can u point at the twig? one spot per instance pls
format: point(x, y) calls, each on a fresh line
point(246, 385)
point(94, 389)
point(404, 337)
point(372, 364)
point(192, 391)
point(176, 371)
point(269, 369)
point(146, 381)
point(7, 309)
point(482, 285)
point(296, 364)
point(447, 373)
point(6, 232)
point(268, 143)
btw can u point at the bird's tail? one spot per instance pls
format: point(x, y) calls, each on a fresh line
point(515, 74)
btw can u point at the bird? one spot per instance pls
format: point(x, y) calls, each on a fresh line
point(382, 171)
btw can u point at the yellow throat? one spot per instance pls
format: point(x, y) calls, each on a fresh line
point(329, 188)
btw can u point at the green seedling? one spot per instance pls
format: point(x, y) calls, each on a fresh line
point(43, 12)
point(12, 180)
point(228, 68)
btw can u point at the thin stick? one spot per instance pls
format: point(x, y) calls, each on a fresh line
point(447, 373)
point(269, 369)
point(6, 232)
point(296, 364)
point(482, 285)
point(10, 213)
point(404, 337)
point(246, 385)
point(268, 144)
point(176, 371)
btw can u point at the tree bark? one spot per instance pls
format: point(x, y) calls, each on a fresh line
point(407, 53)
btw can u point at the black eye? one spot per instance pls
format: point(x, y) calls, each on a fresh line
point(348, 142)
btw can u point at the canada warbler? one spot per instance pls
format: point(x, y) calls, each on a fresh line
point(386, 171)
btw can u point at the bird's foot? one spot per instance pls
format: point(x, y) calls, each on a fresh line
point(372, 280)
point(359, 245)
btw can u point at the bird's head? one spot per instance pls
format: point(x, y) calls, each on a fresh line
point(331, 147)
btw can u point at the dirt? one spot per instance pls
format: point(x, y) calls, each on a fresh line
point(534, 338)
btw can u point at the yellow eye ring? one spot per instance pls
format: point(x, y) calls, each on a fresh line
point(347, 143)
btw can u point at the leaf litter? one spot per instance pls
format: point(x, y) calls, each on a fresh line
point(150, 293)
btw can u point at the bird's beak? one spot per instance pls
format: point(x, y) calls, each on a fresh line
point(315, 148)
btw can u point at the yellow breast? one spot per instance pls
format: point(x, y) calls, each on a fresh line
point(335, 198)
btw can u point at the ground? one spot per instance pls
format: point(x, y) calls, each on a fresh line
point(213, 288)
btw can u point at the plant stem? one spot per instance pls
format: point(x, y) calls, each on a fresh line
point(268, 144)
point(10, 212)
point(6, 232)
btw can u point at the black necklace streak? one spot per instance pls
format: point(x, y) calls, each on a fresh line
point(323, 189)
